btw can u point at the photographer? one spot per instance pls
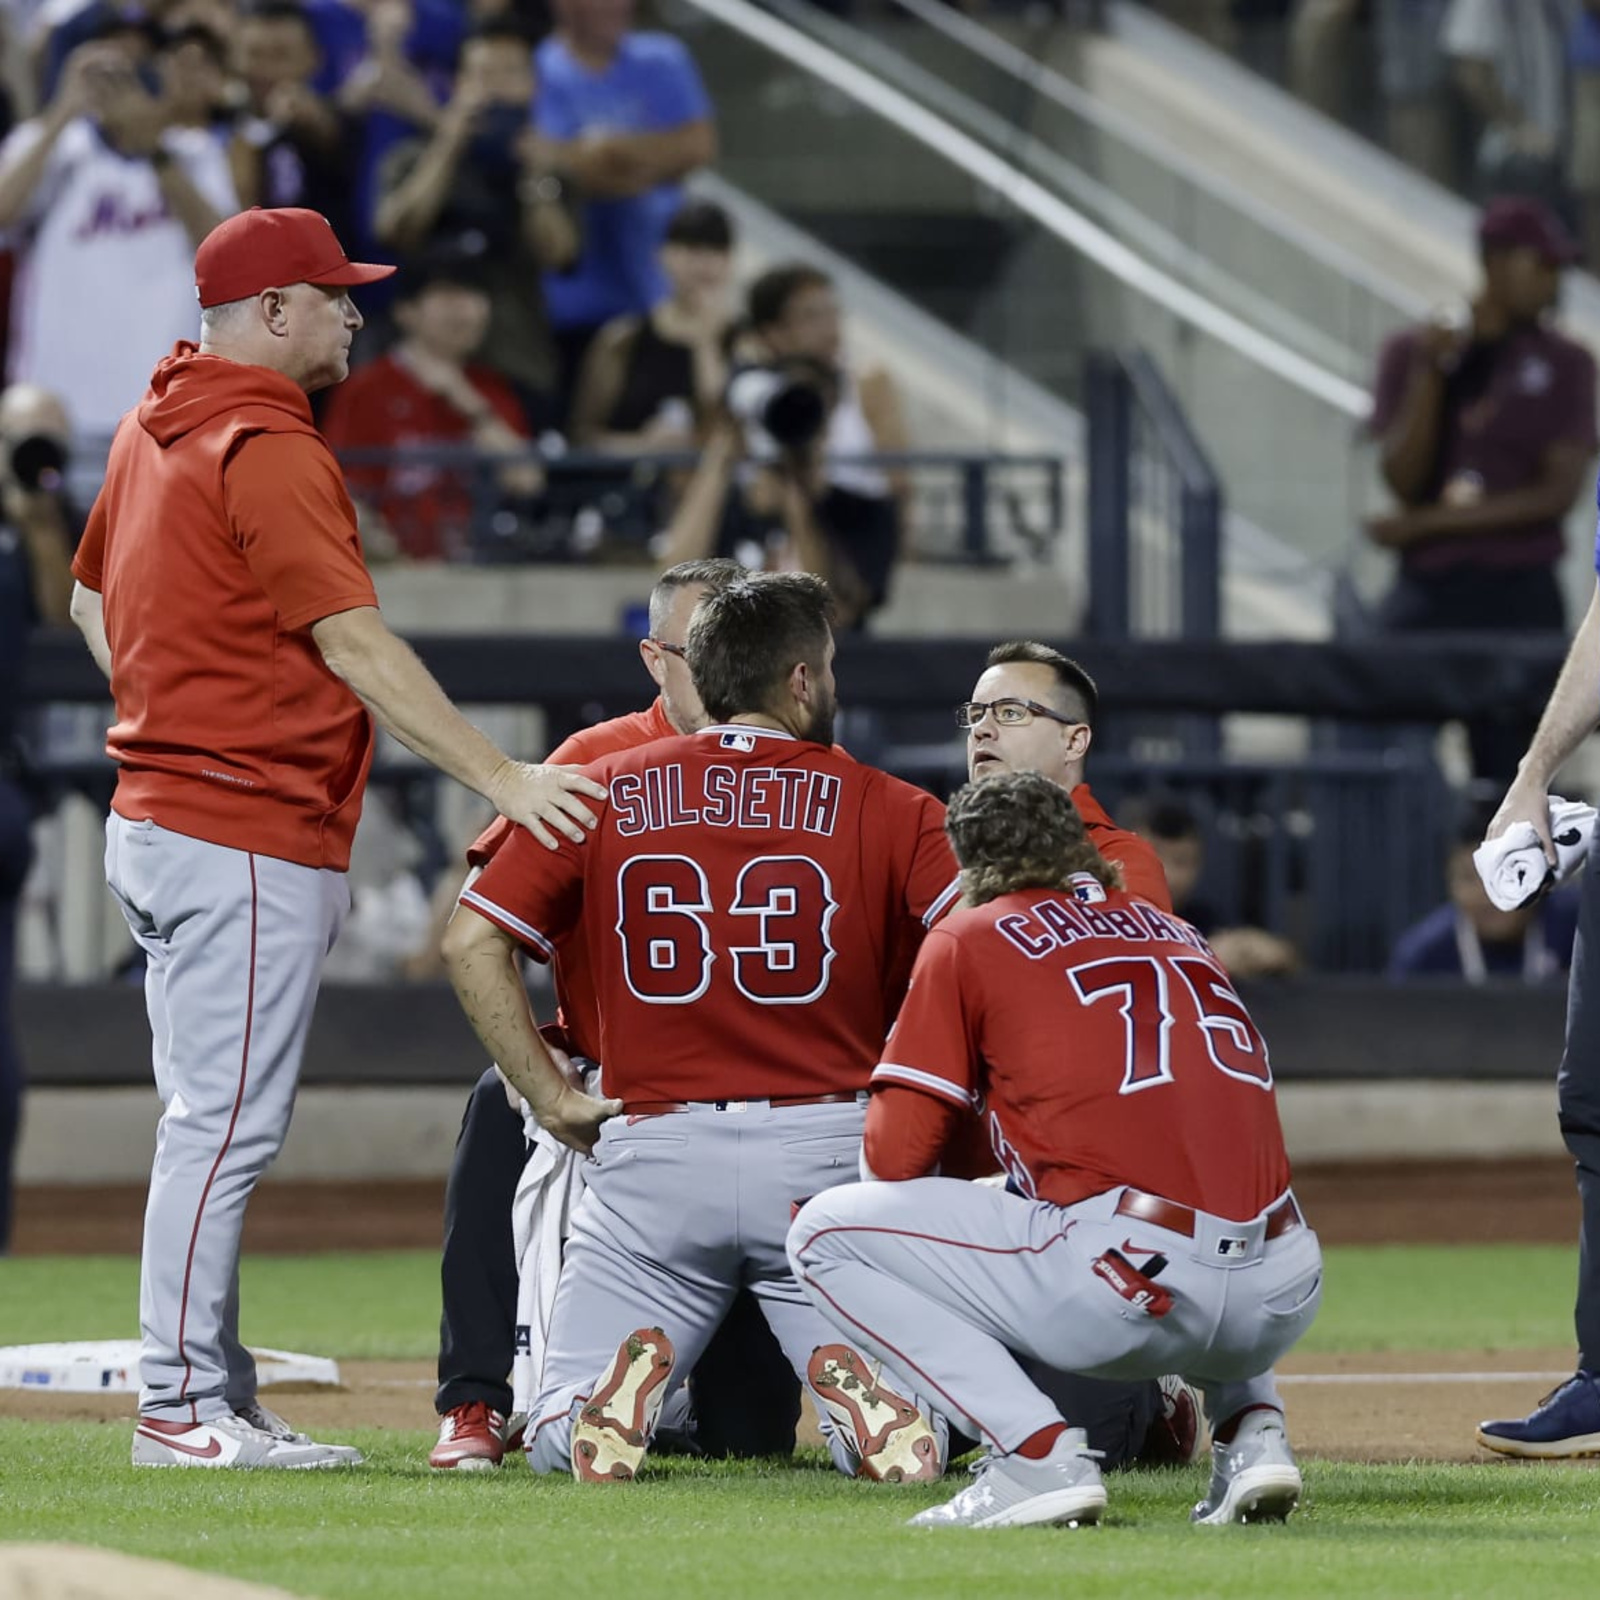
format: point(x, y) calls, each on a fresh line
point(35, 587)
point(477, 186)
point(760, 495)
point(109, 200)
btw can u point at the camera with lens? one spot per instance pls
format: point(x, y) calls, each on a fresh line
point(783, 408)
point(38, 463)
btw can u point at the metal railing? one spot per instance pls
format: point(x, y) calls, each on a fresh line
point(1155, 509)
point(966, 507)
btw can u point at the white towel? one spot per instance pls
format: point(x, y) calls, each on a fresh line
point(1513, 867)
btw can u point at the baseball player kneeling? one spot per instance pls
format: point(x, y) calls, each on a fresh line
point(1130, 1099)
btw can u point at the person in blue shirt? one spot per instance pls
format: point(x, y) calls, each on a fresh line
point(1469, 937)
point(626, 118)
point(35, 587)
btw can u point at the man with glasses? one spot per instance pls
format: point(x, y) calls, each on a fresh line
point(1033, 710)
point(754, 1403)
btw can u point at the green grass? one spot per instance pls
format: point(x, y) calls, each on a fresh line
point(391, 1531)
point(386, 1304)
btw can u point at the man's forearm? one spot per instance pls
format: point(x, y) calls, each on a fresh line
point(405, 215)
point(1410, 446)
point(1500, 513)
point(406, 698)
point(189, 206)
point(1574, 708)
point(19, 178)
point(484, 973)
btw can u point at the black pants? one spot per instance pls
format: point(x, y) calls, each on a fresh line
point(1578, 1105)
point(1481, 599)
point(16, 853)
point(746, 1396)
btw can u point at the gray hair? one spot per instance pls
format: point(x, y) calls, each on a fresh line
point(221, 318)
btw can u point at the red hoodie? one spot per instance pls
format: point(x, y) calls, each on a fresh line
point(222, 532)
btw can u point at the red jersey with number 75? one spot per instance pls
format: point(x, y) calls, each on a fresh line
point(1103, 1045)
point(741, 900)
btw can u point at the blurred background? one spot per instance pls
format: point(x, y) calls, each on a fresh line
point(1238, 347)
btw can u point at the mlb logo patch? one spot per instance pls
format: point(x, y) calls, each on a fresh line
point(1233, 1248)
point(738, 741)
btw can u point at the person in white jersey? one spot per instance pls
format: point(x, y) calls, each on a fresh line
point(105, 204)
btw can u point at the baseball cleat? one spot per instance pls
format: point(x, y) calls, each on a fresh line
point(1177, 1433)
point(1014, 1492)
point(1565, 1424)
point(891, 1440)
point(613, 1429)
point(229, 1442)
point(472, 1438)
point(1253, 1477)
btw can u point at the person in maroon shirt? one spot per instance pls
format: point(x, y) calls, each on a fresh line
point(1147, 1224)
point(1486, 428)
point(428, 391)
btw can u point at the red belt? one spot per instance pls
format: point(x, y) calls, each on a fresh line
point(1174, 1218)
point(667, 1108)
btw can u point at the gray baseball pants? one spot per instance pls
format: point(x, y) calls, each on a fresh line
point(679, 1213)
point(945, 1280)
point(234, 945)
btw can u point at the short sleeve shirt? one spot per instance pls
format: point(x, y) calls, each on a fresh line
point(743, 900)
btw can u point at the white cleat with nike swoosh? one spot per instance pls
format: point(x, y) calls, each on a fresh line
point(229, 1442)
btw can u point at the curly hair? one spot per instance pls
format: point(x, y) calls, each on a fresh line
point(1018, 830)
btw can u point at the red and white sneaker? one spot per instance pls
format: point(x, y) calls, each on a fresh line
point(891, 1440)
point(228, 1442)
point(611, 1433)
point(472, 1438)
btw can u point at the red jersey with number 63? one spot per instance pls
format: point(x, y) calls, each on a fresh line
point(1104, 1046)
point(741, 901)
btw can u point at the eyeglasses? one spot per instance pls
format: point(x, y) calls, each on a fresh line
point(671, 649)
point(1009, 714)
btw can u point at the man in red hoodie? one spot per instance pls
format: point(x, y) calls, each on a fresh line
point(221, 589)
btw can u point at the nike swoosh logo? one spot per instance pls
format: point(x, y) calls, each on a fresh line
point(210, 1453)
point(1131, 1249)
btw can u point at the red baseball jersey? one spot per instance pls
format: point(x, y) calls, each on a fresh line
point(1104, 1046)
point(580, 1010)
point(740, 904)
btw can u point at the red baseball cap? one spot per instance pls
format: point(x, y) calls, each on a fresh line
point(268, 249)
point(1513, 221)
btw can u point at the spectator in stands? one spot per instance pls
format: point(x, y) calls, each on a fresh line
point(297, 139)
point(626, 119)
point(1170, 828)
point(1468, 937)
point(652, 383)
point(191, 68)
point(429, 391)
point(794, 313)
point(1486, 429)
point(1411, 75)
point(110, 203)
point(35, 587)
point(1508, 59)
point(479, 185)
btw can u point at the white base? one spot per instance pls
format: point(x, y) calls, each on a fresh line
point(111, 1366)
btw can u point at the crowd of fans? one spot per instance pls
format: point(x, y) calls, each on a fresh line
point(1487, 96)
point(558, 287)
